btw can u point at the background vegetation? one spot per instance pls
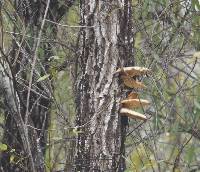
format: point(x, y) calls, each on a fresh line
point(167, 41)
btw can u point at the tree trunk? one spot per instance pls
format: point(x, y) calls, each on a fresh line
point(107, 43)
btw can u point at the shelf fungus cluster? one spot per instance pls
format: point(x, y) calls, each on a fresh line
point(133, 101)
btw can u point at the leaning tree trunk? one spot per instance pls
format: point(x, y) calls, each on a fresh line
point(107, 44)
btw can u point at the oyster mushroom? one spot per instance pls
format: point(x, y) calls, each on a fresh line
point(133, 71)
point(134, 103)
point(132, 114)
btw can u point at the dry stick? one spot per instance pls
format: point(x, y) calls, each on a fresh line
point(34, 62)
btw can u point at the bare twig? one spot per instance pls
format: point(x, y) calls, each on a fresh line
point(34, 63)
point(64, 25)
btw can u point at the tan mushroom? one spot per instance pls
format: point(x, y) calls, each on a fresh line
point(132, 114)
point(134, 103)
point(133, 71)
point(130, 82)
point(133, 95)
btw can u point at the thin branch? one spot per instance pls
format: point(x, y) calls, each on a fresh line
point(64, 25)
point(34, 63)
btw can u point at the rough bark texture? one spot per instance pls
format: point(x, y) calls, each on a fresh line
point(107, 43)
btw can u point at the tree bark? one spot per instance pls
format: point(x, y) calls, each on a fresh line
point(107, 44)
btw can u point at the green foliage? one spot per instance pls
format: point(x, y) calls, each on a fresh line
point(190, 153)
point(43, 78)
point(3, 147)
point(139, 160)
point(163, 37)
point(73, 16)
point(63, 108)
point(161, 43)
point(12, 158)
point(195, 4)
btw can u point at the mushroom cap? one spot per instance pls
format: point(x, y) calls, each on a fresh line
point(130, 82)
point(132, 114)
point(133, 95)
point(134, 103)
point(133, 71)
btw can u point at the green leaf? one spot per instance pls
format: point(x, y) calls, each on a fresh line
point(3, 147)
point(53, 58)
point(43, 78)
point(195, 4)
point(12, 157)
